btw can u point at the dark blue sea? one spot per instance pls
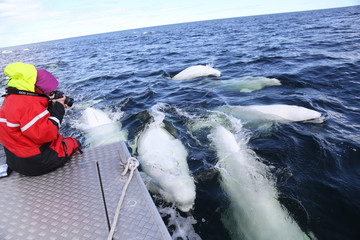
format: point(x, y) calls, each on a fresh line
point(314, 54)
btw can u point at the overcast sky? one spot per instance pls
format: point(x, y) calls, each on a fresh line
point(30, 21)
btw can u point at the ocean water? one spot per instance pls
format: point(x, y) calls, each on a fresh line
point(315, 55)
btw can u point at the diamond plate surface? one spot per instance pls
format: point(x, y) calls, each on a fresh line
point(67, 203)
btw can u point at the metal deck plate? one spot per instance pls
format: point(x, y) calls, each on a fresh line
point(67, 203)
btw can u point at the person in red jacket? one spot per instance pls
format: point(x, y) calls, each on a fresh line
point(30, 121)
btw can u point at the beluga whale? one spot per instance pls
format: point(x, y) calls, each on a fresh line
point(164, 159)
point(254, 212)
point(274, 112)
point(246, 84)
point(100, 129)
point(197, 71)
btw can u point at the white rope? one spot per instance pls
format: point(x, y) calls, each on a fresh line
point(132, 164)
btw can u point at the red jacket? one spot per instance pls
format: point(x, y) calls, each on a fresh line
point(26, 125)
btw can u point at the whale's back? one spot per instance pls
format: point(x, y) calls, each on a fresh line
point(197, 71)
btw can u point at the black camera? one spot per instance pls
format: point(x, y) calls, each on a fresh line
point(57, 94)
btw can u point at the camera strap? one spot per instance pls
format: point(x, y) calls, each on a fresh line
point(23, 92)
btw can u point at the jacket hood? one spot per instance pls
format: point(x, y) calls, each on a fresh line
point(22, 76)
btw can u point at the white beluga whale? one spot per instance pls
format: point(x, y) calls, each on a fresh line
point(275, 112)
point(196, 71)
point(164, 159)
point(255, 212)
point(100, 128)
point(246, 84)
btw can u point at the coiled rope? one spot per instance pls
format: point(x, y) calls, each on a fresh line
point(132, 164)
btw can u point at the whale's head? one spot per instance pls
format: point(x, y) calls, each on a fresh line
point(183, 195)
point(216, 73)
point(92, 117)
point(100, 128)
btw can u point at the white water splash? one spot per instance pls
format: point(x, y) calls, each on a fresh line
point(7, 51)
point(183, 226)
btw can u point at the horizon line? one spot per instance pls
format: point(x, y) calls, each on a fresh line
point(169, 24)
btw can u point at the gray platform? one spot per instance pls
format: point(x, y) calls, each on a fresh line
point(67, 203)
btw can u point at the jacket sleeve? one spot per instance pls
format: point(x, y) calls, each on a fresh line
point(37, 126)
point(57, 112)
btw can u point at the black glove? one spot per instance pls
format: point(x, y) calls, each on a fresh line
point(57, 112)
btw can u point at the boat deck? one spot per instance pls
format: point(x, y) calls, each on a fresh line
point(68, 203)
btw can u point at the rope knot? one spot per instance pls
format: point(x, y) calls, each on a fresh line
point(132, 164)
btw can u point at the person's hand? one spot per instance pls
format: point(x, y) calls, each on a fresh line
point(61, 100)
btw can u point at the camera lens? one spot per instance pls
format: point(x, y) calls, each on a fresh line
point(69, 101)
